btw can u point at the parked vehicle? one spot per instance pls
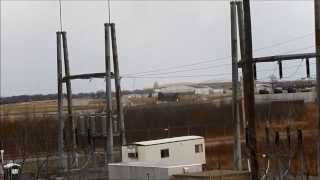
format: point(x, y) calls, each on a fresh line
point(278, 90)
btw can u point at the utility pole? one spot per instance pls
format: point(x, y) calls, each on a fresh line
point(301, 154)
point(280, 70)
point(317, 43)
point(242, 52)
point(60, 101)
point(71, 123)
point(308, 67)
point(241, 28)
point(117, 78)
point(235, 87)
point(109, 30)
point(109, 143)
point(248, 86)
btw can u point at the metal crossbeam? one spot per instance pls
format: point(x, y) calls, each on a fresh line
point(278, 58)
point(86, 76)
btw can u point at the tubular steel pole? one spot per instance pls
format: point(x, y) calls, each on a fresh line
point(280, 70)
point(235, 103)
point(255, 71)
point(248, 86)
point(109, 144)
point(301, 153)
point(241, 28)
point(117, 79)
point(308, 67)
point(277, 155)
point(242, 52)
point(317, 38)
point(242, 35)
point(71, 122)
point(60, 99)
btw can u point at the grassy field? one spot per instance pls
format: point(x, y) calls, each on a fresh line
point(30, 129)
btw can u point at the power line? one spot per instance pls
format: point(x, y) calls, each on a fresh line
point(211, 67)
point(297, 67)
point(147, 76)
point(180, 66)
point(188, 70)
point(275, 68)
point(296, 71)
point(221, 58)
point(284, 42)
point(304, 48)
point(181, 76)
point(289, 67)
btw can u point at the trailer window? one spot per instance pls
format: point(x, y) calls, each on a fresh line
point(133, 155)
point(164, 153)
point(198, 148)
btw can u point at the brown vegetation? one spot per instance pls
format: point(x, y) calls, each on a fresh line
point(35, 133)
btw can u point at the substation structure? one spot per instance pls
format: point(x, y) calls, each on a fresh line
point(241, 29)
point(67, 140)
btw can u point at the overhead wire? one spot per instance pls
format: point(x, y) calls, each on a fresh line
point(190, 75)
point(180, 66)
point(189, 70)
point(179, 76)
point(296, 71)
point(297, 67)
point(294, 51)
point(288, 67)
point(221, 58)
point(284, 42)
point(204, 68)
point(156, 75)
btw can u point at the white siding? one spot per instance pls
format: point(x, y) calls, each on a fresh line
point(137, 173)
point(140, 151)
point(218, 92)
point(177, 89)
point(145, 171)
point(203, 91)
point(180, 152)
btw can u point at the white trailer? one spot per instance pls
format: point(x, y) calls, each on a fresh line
point(182, 150)
point(159, 159)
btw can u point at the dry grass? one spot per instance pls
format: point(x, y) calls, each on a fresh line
point(30, 129)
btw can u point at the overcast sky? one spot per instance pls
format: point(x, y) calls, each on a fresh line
point(151, 35)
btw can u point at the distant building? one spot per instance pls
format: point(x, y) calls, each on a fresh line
point(264, 88)
point(180, 89)
point(205, 88)
point(173, 92)
point(170, 97)
point(159, 159)
point(201, 90)
point(282, 86)
point(218, 92)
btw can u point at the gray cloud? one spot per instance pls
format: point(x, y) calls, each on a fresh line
point(151, 35)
